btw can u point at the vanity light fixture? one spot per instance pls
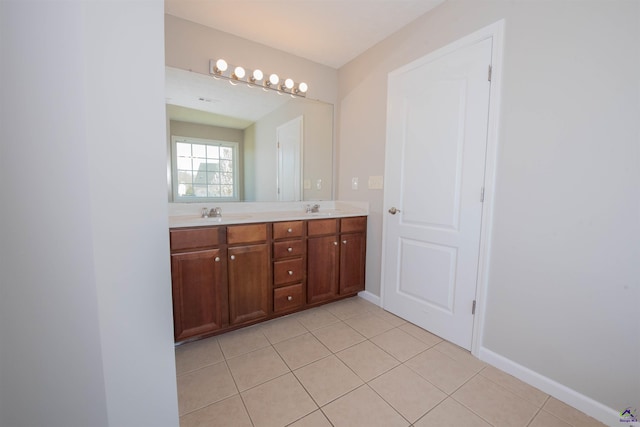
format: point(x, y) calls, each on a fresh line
point(236, 74)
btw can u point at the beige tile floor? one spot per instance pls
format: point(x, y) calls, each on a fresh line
point(351, 364)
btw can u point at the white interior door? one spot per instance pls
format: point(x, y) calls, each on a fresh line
point(289, 151)
point(435, 158)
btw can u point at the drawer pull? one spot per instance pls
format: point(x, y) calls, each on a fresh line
point(344, 242)
point(335, 243)
point(289, 298)
point(233, 257)
point(290, 272)
point(217, 259)
point(289, 249)
point(289, 230)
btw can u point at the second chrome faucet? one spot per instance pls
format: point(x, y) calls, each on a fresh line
point(213, 213)
point(312, 208)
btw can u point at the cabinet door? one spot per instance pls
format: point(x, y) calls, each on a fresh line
point(199, 297)
point(352, 262)
point(248, 277)
point(322, 268)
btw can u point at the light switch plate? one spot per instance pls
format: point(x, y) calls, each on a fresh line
point(375, 182)
point(319, 184)
point(307, 184)
point(354, 183)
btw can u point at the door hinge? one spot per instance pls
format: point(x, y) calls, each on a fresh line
point(489, 74)
point(473, 307)
point(482, 195)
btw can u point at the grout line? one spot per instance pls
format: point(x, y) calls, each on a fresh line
point(389, 403)
point(534, 417)
point(472, 411)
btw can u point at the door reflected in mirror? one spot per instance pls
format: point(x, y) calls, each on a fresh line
point(284, 144)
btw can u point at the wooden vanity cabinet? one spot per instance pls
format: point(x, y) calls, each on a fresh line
point(353, 247)
point(289, 272)
point(198, 276)
point(249, 272)
point(224, 277)
point(336, 250)
point(323, 260)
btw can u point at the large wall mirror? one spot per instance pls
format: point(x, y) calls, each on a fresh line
point(241, 143)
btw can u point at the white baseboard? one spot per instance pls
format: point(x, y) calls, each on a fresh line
point(594, 409)
point(374, 299)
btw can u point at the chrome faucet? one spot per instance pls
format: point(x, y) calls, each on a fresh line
point(213, 213)
point(312, 208)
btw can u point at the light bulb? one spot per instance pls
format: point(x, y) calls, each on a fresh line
point(274, 79)
point(221, 66)
point(238, 73)
point(302, 87)
point(288, 84)
point(257, 76)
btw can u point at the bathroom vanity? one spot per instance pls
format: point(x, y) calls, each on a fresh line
point(246, 268)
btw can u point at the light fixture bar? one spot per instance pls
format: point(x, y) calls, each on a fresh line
point(237, 74)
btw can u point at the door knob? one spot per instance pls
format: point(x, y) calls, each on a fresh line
point(394, 211)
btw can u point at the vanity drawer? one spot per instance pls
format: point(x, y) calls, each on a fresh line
point(250, 233)
point(287, 298)
point(286, 230)
point(287, 271)
point(288, 249)
point(196, 238)
point(354, 224)
point(319, 227)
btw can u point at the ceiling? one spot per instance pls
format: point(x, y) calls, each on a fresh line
point(329, 32)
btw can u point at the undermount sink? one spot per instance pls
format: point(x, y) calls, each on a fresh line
point(230, 217)
point(320, 213)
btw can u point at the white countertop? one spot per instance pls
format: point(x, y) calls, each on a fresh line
point(188, 214)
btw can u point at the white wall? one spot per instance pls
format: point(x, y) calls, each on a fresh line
point(85, 301)
point(564, 283)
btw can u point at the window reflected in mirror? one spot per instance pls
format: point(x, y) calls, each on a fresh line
point(204, 170)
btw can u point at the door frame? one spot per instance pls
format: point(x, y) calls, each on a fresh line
point(495, 32)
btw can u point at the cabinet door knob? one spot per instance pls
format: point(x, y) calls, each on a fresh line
point(217, 259)
point(289, 230)
point(290, 249)
point(290, 272)
point(344, 242)
point(335, 243)
point(233, 257)
point(289, 298)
